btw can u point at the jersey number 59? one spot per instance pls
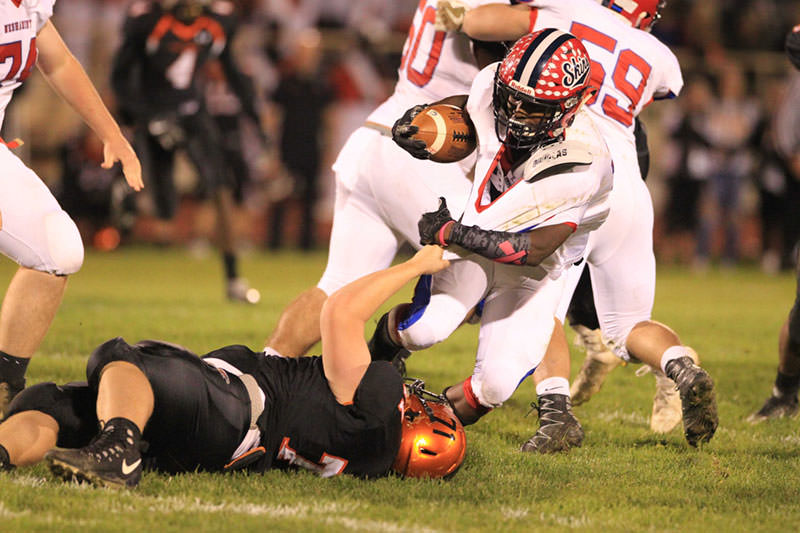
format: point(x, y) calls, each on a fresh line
point(626, 60)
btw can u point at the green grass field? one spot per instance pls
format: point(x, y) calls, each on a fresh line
point(624, 478)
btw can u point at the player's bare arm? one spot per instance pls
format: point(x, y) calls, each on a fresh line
point(529, 248)
point(345, 356)
point(491, 22)
point(66, 75)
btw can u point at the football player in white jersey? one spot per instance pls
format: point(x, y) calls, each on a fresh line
point(380, 191)
point(34, 231)
point(543, 179)
point(630, 68)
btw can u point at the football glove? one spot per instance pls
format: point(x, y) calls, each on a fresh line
point(402, 133)
point(449, 15)
point(430, 224)
point(793, 46)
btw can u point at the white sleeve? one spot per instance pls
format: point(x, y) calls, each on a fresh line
point(41, 11)
point(671, 82)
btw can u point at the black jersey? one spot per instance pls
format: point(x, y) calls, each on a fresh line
point(156, 68)
point(304, 425)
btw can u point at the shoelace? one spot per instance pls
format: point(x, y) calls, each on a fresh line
point(105, 446)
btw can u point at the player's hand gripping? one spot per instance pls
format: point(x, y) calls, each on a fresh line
point(432, 224)
point(429, 260)
point(120, 150)
point(402, 133)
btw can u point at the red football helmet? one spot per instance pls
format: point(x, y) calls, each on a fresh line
point(538, 88)
point(433, 442)
point(642, 13)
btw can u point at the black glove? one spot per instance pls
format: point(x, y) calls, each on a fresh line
point(430, 223)
point(403, 130)
point(793, 47)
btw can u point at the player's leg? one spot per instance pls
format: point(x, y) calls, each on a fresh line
point(37, 234)
point(559, 429)
point(783, 400)
point(439, 306)
point(516, 327)
point(44, 416)
point(622, 267)
point(599, 361)
point(161, 394)
point(204, 149)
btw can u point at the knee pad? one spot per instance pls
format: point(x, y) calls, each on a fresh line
point(422, 334)
point(492, 392)
point(64, 243)
point(112, 350)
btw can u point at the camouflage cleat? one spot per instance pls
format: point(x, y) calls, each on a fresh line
point(776, 406)
point(667, 410)
point(698, 403)
point(596, 367)
point(112, 459)
point(559, 430)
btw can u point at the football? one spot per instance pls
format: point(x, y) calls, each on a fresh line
point(447, 132)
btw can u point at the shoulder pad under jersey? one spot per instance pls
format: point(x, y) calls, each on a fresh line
point(554, 159)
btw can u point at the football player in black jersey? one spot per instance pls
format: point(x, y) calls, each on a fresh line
point(155, 79)
point(235, 408)
point(783, 401)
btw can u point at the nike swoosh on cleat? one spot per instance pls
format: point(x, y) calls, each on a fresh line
point(128, 468)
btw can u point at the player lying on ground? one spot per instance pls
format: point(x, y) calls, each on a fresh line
point(160, 406)
point(34, 231)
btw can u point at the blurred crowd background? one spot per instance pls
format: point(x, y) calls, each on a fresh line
point(724, 190)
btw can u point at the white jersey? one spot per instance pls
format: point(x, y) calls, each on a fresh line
point(20, 21)
point(565, 183)
point(434, 65)
point(631, 67)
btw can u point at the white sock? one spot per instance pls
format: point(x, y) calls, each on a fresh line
point(673, 352)
point(554, 385)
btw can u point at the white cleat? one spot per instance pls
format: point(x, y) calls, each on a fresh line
point(596, 367)
point(667, 410)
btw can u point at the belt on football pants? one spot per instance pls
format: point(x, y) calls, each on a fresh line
point(256, 404)
point(380, 128)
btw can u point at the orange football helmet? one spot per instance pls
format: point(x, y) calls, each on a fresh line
point(433, 442)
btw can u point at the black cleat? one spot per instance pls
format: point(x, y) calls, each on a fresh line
point(112, 459)
point(7, 393)
point(559, 430)
point(698, 404)
point(776, 406)
point(383, 348)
